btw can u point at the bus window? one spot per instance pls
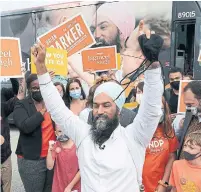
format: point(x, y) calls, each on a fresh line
point(184, 44)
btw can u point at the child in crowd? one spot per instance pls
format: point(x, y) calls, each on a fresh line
point(186, 173)
point(62, 156)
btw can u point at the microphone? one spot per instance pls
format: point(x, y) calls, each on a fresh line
point(102, 147)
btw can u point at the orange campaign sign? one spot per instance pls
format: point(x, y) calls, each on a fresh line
point(10, 57)
point(99, 59)
point(181, 105)
point(72, 35)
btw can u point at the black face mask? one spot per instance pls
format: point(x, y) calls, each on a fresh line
point(175, 85)
point(190, 157)
point(62, 138)
point(36, 95)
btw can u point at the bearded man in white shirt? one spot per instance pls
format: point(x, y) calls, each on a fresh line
point(110, 157)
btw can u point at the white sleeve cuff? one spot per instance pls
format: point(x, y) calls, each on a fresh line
point(153, 75)
point(44, 79)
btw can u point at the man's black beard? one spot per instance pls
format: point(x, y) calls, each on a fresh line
point(102, 43)
point(102, 131)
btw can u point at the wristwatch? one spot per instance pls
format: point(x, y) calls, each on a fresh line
point(164, 184)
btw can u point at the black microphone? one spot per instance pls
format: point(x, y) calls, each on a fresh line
point(102, 147)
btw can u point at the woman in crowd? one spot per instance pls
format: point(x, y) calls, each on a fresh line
point(62, 157)
point(139, 93)
point(36, 130)
point(60, 88)
point(75, 96)
point(160, 155)
point(84, 115)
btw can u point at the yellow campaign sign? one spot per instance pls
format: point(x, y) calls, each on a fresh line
point(56, 60)
point(131, 105)
point(118, 61)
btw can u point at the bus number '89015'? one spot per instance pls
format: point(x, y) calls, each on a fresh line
point(186, 14)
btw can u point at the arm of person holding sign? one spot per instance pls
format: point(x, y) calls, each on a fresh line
point(75, 63)
point(9, 105)
point(69, 123)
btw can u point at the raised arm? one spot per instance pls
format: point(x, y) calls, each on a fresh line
point(70, 124)
point(147, 119)
point(10, 104)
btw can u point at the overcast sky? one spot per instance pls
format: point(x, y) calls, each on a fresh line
point(23, 4)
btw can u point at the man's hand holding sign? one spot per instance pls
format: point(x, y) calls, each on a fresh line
point(94, 140)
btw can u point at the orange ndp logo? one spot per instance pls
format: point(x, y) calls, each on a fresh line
point(10, 57)
point(99, 59)
point(73, 35)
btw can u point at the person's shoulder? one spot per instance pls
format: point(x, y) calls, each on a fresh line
point(85, 112)
point(127, 111)
point(168, 90)
point(24, 101)
point(179, 163)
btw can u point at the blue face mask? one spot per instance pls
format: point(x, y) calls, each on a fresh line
point(75, 94)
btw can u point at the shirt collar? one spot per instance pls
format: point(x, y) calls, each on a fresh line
point(115, 133)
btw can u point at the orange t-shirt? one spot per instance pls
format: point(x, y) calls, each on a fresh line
point(185, 177)
point(156, 158)
point(47, 134)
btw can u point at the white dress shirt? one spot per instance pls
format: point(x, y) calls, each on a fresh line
point(111, 169)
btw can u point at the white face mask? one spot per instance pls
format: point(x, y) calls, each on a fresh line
point(138, 98)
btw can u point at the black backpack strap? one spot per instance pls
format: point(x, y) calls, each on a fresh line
point(187, 120)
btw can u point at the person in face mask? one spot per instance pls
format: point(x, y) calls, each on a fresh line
point(139, 94)
point(160, 154)
point(175, 75)
point(75, 96)
point(62, 157)
point(36, 130)
point(192, 100)
point(186, 173)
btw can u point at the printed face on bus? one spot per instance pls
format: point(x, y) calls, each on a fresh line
point(105, 32)
point(130, 60)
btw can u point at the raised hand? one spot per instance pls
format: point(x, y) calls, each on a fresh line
point(39, 53)
point(150, 44)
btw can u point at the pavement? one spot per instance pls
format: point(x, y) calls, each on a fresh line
point(17, 185)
